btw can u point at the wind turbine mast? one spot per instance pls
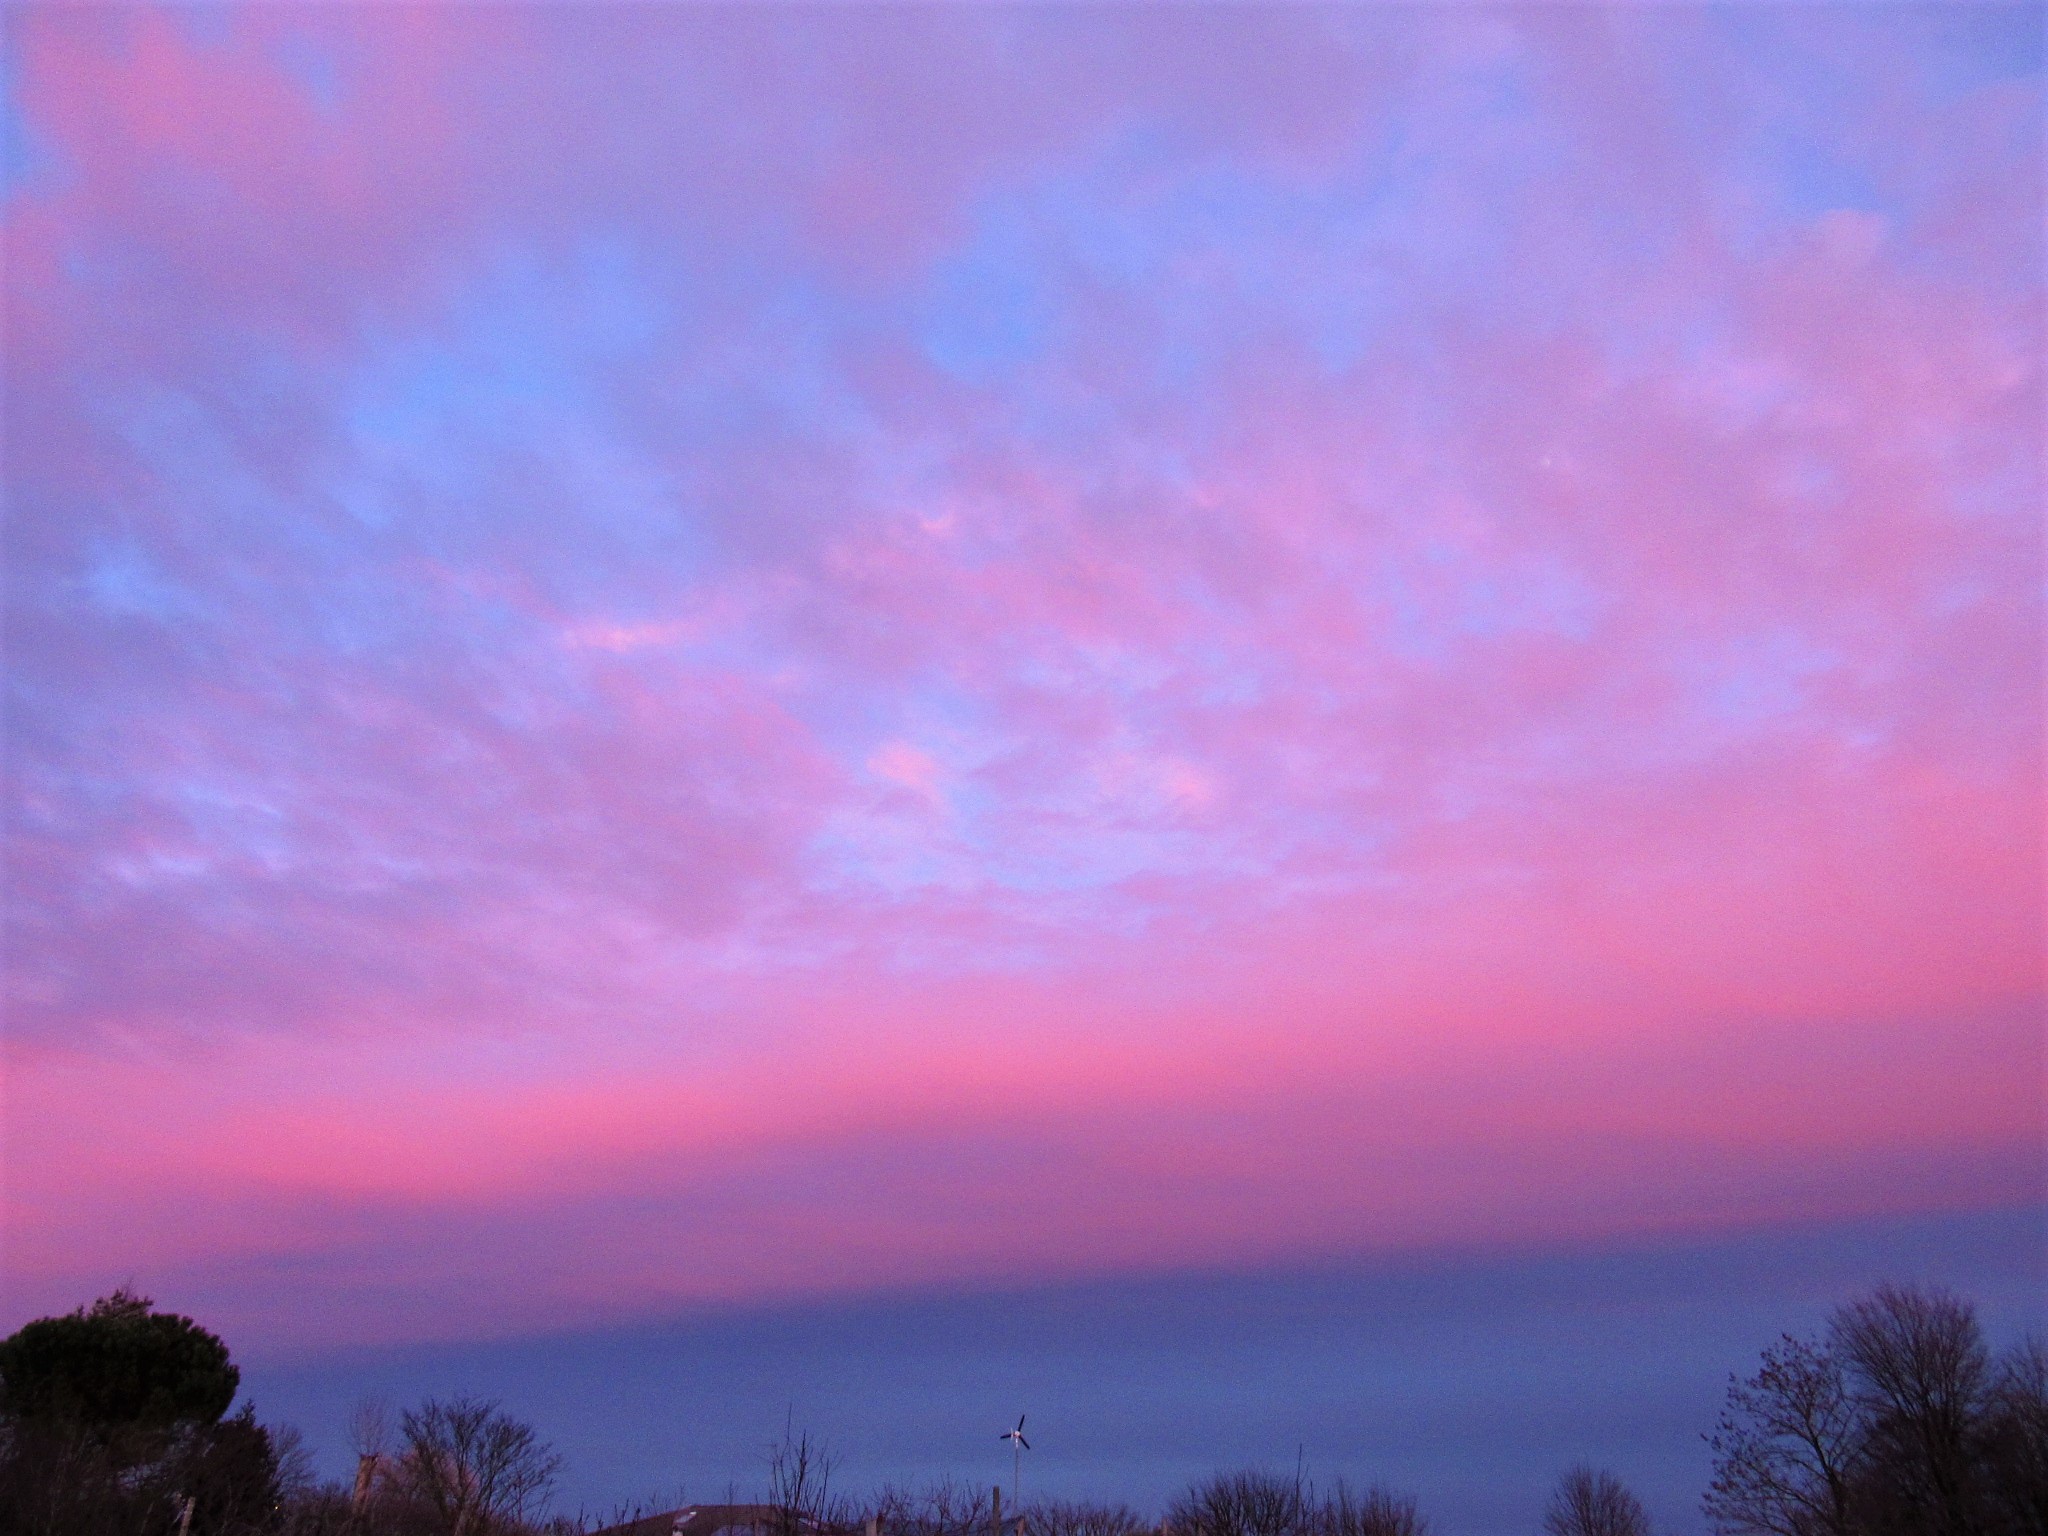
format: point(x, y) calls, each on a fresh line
point(1018, 1446)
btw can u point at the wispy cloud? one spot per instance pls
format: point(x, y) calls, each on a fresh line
point(1338, 626)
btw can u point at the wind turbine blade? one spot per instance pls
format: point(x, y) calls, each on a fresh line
point(1023, 1442)
point(1020, 1421)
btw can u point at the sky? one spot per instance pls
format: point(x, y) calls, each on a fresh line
point(1467, 1380)
point(743, 661)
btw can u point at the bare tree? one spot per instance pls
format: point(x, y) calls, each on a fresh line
point(942, 1508)
point(369, 1427)
point(369, 1435)
point(2014, 1443)
point(471, 1468)
point(1917, 1360)
point(1054, 1518)
point(1593, 1503)
point(1785, 1446)
point(295, 1474)
point(1377, 1511)
point(800, 1481)
point(624, 1512)
point(1243, 1504)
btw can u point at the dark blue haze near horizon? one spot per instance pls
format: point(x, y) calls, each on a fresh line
point(1470, 1382)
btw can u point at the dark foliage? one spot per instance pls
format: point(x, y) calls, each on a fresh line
point(2013, 1442)
point(116, 1366)
point(111, 1420)
point(317, 1510)
point(60, 1481)
point(229, 1471)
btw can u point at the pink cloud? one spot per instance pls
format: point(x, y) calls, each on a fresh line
point(659, 639)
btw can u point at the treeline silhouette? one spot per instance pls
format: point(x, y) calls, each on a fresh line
point(1896, 1421)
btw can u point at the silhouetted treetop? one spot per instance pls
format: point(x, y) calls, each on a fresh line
point(117, 1364)
point(1589, 1502)
point(1899, 1423)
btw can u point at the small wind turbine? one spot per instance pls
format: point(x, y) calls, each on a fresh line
point(1018, 1446)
